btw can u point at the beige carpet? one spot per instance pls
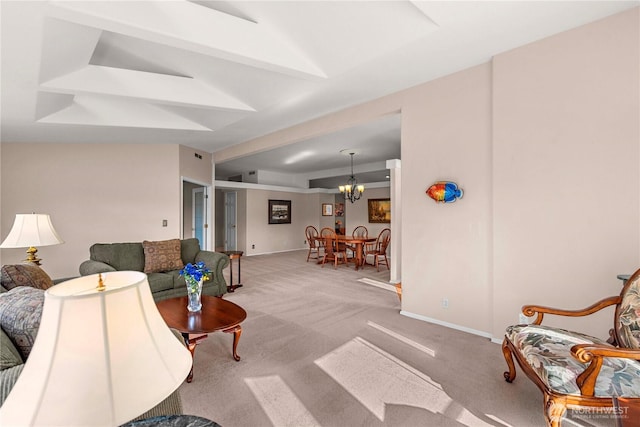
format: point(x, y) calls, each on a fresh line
point(321, 347)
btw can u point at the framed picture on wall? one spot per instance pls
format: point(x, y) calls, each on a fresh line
point(279, 211)
point(339, 209)
point(379, 210)
point(327, 209)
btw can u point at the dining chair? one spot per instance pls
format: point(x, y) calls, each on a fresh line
point(315, 245)
point(379, 250)
point(333, 250)
point(325, 233)
point(359, 231)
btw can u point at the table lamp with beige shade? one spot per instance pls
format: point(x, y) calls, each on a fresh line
point(103, 356)
point(29, 231)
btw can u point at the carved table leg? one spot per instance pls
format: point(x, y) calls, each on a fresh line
point(192, 350)
point(191, 345)
point(359, 248)
point(237, 331)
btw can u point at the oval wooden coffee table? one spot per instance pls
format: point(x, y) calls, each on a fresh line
point(216, 314)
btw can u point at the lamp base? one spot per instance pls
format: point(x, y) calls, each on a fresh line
point(31, 256)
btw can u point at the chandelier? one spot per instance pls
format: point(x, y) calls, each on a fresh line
point(352, 190)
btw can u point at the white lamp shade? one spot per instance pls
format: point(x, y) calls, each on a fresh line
point(31, 230)
point(100, 357)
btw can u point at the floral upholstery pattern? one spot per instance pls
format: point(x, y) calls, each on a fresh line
point(547, 351)
point(20, 313)
point(628, 322)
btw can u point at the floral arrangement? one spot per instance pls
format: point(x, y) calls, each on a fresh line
point(193, 273)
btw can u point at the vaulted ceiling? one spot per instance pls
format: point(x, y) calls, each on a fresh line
point(212, 74)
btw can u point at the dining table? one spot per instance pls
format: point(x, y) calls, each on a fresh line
point(357, 241)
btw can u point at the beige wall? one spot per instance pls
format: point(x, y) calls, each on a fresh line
point(358, 213)
point(93, 192)
point(277, 237)
point(566, 161)
point(253, 227)
point(194, 168)
point(544, 140)
point(446, 136)
point(324, 221)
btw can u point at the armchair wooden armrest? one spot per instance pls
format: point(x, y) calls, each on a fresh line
point(589, 374)
point(594, 355)
point(530, 310)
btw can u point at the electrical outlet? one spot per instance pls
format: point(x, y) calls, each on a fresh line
point(253, 246)
point(305, 242)
point(164, 222)
point(445, 302)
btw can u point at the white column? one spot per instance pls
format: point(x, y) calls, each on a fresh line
point(394, 167)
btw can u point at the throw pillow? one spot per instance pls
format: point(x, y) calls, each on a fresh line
point(162, 256)
point(24, 275)
point(20, 313)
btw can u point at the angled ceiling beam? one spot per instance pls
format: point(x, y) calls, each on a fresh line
point(188, 26)
point(144, 86)
point(110, 111)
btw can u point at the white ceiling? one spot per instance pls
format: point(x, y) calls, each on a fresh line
point(212, 74)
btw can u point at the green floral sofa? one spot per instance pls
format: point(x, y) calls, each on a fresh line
point(162, 261)
point(22, 288)
point(576, 370)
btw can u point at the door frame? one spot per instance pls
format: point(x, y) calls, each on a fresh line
point(226, 220)
point(209, 231)
point(194, 191)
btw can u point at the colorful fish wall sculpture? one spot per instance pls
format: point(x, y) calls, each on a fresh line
point(444, 191)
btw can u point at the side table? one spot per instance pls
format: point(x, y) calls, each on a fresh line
point(233, 255)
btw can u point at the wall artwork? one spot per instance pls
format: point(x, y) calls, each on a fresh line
point(327, 209)
point(339, 209)
point(444, 192)
point(279, 211)
point(379, 210)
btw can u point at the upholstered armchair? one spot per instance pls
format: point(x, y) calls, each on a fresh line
point(575, 370)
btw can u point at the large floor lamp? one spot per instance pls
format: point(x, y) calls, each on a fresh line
point(103, 356)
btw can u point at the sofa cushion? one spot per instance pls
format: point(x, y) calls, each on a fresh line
point(8, 378)
point(160, 281)
point(20, 313)
point(548, 351)
point(9, 355)
point(26, 274)
point(189, 248)
point(162, 256)
point(121, 256)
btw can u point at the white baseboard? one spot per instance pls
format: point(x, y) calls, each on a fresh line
point(276, 252)
point(447, 324)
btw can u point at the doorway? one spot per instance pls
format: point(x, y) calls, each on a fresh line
point(199, 214)
point(230, 221)
point(196, 212)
